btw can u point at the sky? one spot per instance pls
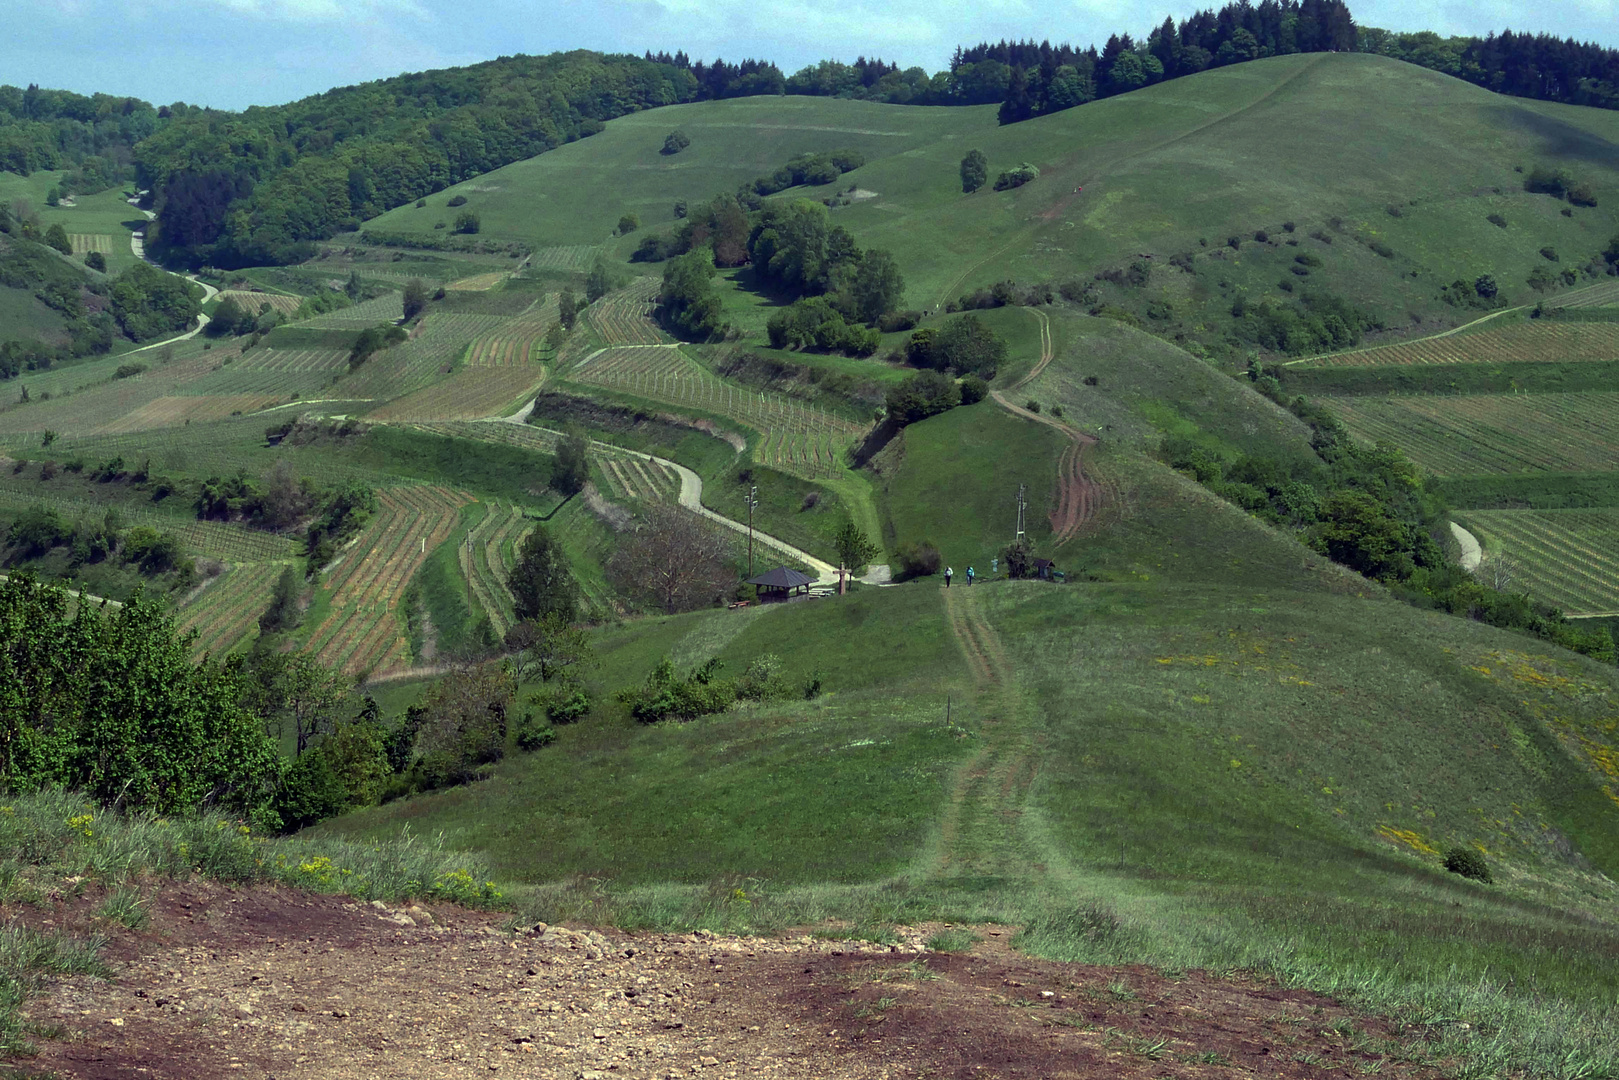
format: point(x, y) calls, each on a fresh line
point(235, 53)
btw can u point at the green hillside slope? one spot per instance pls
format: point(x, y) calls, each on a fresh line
point(577, 193)
point(1360, 148)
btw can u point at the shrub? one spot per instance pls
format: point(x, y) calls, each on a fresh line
point(466, 222)
point(95, 260)
point(1032, 405)
point(126, 370)
point(1549, 254)
point(675, 142)
point(973, 390)
point(1381, 248)
point(628, 224)
point(532, 733)
point(1016, 178)
point(1262, 236)
point(1288, 226)
point(914, 560)
point(897, 321)
point(1469, 863)
point(566, 705)
point(458, 200)
point(1497, 220)
point(1307, 259)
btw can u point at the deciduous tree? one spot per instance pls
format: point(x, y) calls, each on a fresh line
point(541, 583)
point(673, 559)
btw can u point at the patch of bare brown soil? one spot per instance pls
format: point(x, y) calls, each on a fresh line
point(267, 983)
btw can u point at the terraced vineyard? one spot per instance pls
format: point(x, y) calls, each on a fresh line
point(228, 610)
point(469, 394)
point(626, 476)
point(477, 282)
point(252, 302)
point(794, 437)
point(1569, 558)
point(387, 308)
point(487, 558)
point(439, 342)
point(1493, 433)
point(179, 410)
point(520, 341)
point(230, 543)
point(107, 402)
point(1542, 340)
point(575, 257)
point(364, 631)
point(1603, 294)
point(625, 317)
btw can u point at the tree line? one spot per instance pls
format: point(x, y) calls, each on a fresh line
point(92, 138)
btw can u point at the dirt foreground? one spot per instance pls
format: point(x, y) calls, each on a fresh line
point(264, 983)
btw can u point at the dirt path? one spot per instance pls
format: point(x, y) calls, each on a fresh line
point(262, 983)
point(1080, 496)
point(1472, 553)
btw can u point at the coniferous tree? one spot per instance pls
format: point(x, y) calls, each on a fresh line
point(974, 171)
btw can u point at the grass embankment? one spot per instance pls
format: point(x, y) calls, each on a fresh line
point(55, 849)
point(953, 480)
point(1180, 775)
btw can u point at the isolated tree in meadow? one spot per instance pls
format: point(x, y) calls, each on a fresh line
point(541, 583)
point(571, 469)
point(95, 260)
point(549, 649)
point(56, 237)
point(415, 298)
point(628, 224)
point(461, 724)
point(467, 222)
point(53, 197)
point(974, 171)
point(673, 559)
point(855, 548)
point(675, 142)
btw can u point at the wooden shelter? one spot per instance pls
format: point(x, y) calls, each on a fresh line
point(781, 583)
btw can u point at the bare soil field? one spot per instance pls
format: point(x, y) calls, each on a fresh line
point(264, 982)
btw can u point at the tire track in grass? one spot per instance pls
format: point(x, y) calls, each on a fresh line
point(1080, 496)
point(979, 833)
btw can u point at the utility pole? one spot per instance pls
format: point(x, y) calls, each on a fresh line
point(753, 500)
point(1022, 506)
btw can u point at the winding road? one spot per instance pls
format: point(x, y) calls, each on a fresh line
point(1472, 553)
point(137, 245)
point(691, 497)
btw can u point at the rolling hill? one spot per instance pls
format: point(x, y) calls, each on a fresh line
point(1209, 746)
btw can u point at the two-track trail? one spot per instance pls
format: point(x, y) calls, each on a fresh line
point(1080, 496)
point(980, 833)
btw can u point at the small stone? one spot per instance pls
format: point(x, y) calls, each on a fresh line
point(379, 905)
point(244, 1010)
point(708, 1062)
point(599, 1033)
point(116, 1021)
point(340, 1013)
point(1048, 993)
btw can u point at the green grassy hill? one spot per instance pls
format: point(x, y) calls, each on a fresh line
point(575, 195)
point(1357, 146)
